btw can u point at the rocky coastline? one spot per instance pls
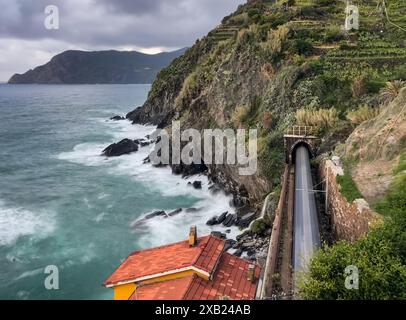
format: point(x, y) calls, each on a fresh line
point(251, 243)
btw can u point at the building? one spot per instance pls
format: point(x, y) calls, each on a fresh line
point(351, 18)
point(195, 269)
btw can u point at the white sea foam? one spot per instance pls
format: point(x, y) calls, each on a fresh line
point(17, 222)
point(158, 230)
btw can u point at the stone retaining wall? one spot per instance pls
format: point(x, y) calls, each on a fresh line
point(350, 221)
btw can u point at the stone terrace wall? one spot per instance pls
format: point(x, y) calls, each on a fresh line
point(350, 221)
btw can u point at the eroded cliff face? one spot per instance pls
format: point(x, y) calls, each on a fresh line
point(254, 71)
point(233, 78)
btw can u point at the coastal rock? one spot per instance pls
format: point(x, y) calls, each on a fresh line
point(230, 220)
point(213, 221)
point(125, 146)
point(245, 220)
point(155, 214)
point(219, 234)
point(229, 244)
point(117, 118)
point(196, 184)
point(222, 217)
point(142, 142)
point(175, 212)
point(238, 253)
point(188, 170)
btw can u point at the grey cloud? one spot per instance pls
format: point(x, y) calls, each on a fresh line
point(102, 24)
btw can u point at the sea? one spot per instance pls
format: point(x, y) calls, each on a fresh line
point(66, 208)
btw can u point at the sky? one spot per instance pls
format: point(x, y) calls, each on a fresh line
point(149, 26)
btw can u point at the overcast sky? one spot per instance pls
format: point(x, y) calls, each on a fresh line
point(149, 26)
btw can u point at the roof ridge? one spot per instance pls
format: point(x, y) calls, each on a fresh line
point(189, 287)
point(205, 246)
point(164, 246)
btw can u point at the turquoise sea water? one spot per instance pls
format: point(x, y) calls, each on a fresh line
point(63, 204)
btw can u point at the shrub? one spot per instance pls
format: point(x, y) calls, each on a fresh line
point(240, 115)
point(276, 39)
point(259, 227)
point(380, 258)
point(359, 86)
point(362, 114)
point(392, 89)
point(267, 120)
point(375, 85)
point(333, 34)
point(321, 118)
point(189, 85)
point(302, 47)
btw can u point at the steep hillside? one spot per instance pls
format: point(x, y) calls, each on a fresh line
point(79, 67)
point(265, 62)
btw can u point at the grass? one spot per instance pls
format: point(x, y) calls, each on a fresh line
point(348, 188)
point(362, 114)
point(321, 118)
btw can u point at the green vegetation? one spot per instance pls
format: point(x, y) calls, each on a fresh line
point(321, 118)
point(362, 114)
point(380, 256)
point(348, 187)
point(259, 227)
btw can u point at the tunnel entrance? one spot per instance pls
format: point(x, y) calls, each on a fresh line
point(300, 136)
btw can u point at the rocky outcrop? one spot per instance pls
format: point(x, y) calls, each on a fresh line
point(117, 118)
point(125, 146)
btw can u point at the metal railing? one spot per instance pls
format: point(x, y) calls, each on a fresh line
point(302, 131)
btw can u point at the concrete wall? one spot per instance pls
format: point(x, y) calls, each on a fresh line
point(350, 221)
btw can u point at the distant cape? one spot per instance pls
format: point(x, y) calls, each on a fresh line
point(98, 67)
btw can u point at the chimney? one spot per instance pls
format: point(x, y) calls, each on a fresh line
point(193, 236)
point(251, 273)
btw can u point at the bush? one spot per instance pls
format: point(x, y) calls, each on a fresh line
point(240, 115)
point(259, 227)
point(380, 258)
point(359, 86)
point(333, 34)
point(362, 114)
point(321, 118)
point(375, 85)
point(302, 47)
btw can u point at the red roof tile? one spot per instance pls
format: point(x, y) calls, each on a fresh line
point(166, 290)
point(169, 258)
point(230, 279)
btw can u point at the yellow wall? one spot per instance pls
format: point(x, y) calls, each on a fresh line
point(124, 292)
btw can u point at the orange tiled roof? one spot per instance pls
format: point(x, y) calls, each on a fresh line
point(166, 290)
point(230, 280)
point(172, 257)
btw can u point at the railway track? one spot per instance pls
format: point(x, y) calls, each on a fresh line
point(295, 235)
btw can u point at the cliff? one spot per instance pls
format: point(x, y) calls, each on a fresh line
point(80, 67)
point(265, 62)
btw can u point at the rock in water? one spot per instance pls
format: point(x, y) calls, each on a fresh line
point(213, 221)
point(246, 220)
point(117, 118)
point(155, 214)
point(222, 217)
point(175, 212)
point(125, 146)
point(196, 184)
